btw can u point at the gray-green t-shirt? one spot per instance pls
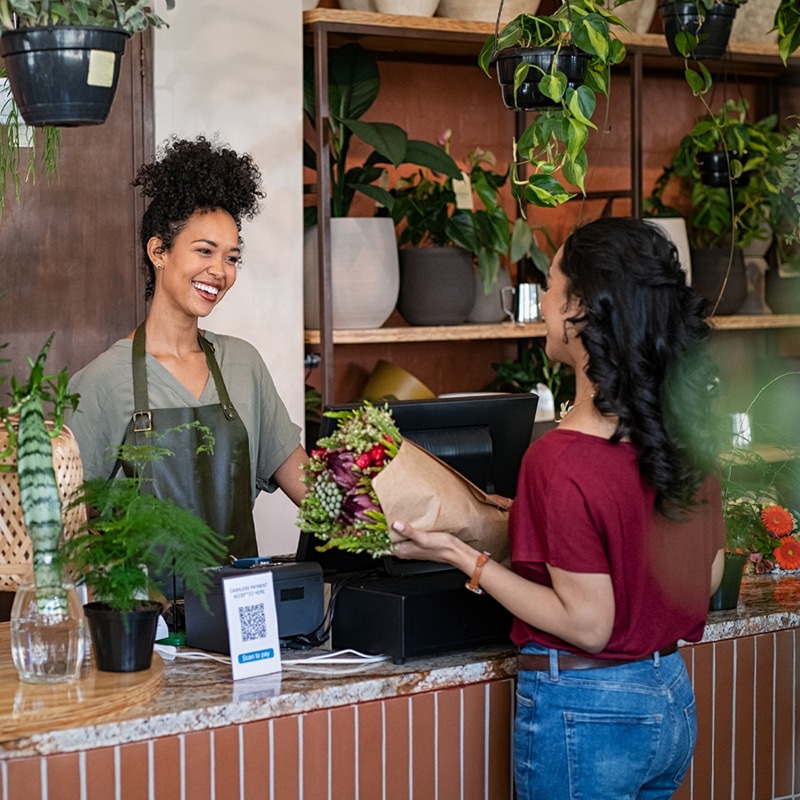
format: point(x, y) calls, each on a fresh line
point(106, 405)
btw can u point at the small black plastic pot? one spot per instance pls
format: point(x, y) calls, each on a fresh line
point(569, 60)
point(122, 640)
point(727, 595)
point(63, 75)
point(714, 169)
point(716, 29)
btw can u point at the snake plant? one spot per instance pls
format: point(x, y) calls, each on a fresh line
point(38, 487)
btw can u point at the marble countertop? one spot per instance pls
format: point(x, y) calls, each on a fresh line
point(199, 694)
point(766, 603)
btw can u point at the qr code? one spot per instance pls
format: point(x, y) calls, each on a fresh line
point(253, 622)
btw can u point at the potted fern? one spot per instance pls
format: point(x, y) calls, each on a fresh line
point(535, 57)
point(131, 538)
point(63, 58)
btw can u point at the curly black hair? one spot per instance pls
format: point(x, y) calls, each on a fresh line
point(646, 335)
point(193, 175)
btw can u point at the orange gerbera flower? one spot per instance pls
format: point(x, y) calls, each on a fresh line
point(787, 553)
point(777, 520)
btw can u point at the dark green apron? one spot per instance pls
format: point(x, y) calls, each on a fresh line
point(215, 486)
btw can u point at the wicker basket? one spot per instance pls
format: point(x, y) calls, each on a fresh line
point(15, 544)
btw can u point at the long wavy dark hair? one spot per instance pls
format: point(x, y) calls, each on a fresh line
point(193, 175)
point(646, 335)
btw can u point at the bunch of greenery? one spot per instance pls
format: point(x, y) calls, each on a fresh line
point(744, 210)
point(134, 15)
point(436, 213)
point(43, 145)
point(556, 138)
point(353, 84)
point(132, 535)
point(531, 368)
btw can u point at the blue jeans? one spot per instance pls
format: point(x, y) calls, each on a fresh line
point(613, 733)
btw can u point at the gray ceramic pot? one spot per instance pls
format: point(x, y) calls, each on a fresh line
point(437, 285)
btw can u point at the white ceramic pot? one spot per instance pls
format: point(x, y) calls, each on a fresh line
point(637, 14)
point(486, 10)
point(675, 229)
point(364, 272)
point(409, 8)
point(309, 4)
point(753, 20)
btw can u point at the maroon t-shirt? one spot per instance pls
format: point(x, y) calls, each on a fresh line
point(582, 506)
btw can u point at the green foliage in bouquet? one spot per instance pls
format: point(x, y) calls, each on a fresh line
point(341, 506)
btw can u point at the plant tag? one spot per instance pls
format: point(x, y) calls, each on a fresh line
point(252, 624)
point(101, 68)
point(463, 191)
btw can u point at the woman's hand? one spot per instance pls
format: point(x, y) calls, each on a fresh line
point(578, 608)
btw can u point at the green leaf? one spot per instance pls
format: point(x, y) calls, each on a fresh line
point(553, 86)
point(353, 81)
point(545, 191)
point(387, 139)
point(425, 154)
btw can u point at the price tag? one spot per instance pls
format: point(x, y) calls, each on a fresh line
point(463, 190)
point(252, 624)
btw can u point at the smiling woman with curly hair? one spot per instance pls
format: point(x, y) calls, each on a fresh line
point(168, 373)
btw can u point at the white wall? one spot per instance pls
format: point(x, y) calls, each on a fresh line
point(234, 68)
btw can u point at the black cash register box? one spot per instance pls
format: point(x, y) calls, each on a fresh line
point(299, 603)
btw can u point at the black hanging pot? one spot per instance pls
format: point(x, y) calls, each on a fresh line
point(714, 168)
point(714, 31)
point(63, 75)
point(569, 60)
point(122, 641)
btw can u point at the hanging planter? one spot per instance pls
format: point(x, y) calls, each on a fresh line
point(579, 33)
point(692, 31)
point(715, 168)
point(63, 75)
point(527, 96)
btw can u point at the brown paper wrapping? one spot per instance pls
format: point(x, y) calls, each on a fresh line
point(418, 488)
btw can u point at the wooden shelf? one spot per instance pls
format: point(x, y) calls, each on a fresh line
point(442, 36)
point(509, 330)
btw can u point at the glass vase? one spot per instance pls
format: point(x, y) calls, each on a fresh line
point(47, 633)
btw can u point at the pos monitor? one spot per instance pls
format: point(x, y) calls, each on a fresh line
point(482, 436)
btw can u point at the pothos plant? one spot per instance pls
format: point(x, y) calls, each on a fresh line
point(744, 209)
point(439, 212)
point(38, 487)
point(554, 144)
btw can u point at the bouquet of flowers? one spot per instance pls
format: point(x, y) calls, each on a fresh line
point(765, 533)
point(365, 476)
point(341, 506)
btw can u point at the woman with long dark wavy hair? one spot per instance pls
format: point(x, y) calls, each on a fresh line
point(616, 530)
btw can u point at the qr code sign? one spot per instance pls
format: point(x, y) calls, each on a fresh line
point(253, 622)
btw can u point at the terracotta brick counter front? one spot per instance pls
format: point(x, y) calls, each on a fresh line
point(431, 728)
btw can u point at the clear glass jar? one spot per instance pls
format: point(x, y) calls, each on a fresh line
point(47, 633)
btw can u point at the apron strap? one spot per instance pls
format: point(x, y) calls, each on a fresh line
point(142, 418)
